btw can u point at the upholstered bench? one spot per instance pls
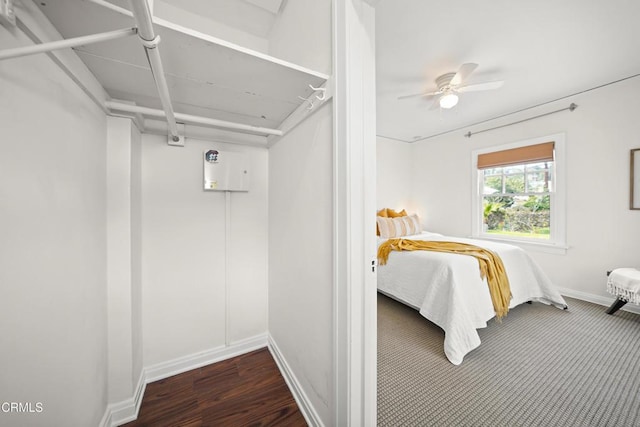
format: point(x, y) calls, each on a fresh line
point(624, 283)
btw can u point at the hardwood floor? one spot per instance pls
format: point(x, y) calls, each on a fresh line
point(247, 390)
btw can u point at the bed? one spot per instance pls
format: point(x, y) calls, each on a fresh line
point(447, 289)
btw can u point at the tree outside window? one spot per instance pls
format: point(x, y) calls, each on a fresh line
point(516, 199)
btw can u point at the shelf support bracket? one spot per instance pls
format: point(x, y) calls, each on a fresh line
point(308, 106)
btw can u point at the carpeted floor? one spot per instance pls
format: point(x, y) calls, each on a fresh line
point(540, 367)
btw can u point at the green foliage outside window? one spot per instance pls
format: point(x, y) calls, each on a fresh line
point(517, 200)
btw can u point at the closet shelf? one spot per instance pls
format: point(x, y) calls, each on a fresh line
point(206, 76)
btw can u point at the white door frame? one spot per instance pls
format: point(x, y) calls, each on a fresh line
point(354, 164)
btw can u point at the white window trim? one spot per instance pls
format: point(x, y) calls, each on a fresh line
point(557, 244)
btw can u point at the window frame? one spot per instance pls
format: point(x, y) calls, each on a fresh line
point(557, 235)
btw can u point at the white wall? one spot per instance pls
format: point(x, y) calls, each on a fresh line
point(53, 319)
point(300, 217)
point(300, 255)
point(123, 258)
point(302, 34)
point(136, 253)
point(119, 257)
point(602, 233)
point(184, 256)
point(393, 181)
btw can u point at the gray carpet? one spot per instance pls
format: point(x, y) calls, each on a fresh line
point(540, 367)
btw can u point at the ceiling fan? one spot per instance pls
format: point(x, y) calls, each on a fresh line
point(451, 84)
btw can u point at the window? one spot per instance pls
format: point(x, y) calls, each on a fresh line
point(518, 195)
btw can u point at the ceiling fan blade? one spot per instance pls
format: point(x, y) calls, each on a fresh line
point(463, 73)
point(480, 86)
point(422, 94)
point(435, 104)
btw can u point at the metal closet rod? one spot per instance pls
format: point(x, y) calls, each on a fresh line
point(188, 118)
point(571, 107)
point(150, 41)
point(67, 43)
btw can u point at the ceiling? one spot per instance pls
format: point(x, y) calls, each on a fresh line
point(543, 50)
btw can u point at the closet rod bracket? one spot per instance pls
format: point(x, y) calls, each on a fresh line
point(322, 90)
point(177, 140)
point(149, 44)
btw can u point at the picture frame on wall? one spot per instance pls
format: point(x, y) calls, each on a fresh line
point(634, 199)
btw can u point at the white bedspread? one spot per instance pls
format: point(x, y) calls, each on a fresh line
point(447, 289)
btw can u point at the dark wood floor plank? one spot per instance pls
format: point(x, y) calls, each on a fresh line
point(284, 417)
point(248, 407)
point(246, 390)
point(217, 382)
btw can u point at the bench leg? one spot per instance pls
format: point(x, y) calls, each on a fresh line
point(617, 304)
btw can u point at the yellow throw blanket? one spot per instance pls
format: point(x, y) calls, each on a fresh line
point(491, 265)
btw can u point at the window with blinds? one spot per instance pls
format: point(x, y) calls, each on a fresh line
point(516, 191)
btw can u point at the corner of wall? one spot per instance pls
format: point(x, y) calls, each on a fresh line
point(127, 410)
point(192, 361)
point(304, 403)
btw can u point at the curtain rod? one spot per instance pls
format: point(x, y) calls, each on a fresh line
point(571, 108)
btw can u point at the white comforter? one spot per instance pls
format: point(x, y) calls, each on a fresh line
point(447, 289)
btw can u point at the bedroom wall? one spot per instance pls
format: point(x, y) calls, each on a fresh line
point(53, 318)
point(602, 233)
point(185, 261)
point(394, 171)
point(300, 256)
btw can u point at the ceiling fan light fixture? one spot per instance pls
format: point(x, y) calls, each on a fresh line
point(448, 100)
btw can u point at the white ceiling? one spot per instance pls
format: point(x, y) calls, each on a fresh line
point(542, 49)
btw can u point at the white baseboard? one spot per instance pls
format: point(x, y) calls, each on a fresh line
point(304, 404)
point(183, 364)
point(123, 412)
point(106, 418)
point(127, 410)
point(596, 299)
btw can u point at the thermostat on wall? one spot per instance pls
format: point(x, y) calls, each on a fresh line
point(226, 171)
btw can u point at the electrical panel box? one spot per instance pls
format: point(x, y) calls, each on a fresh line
point(226, 171)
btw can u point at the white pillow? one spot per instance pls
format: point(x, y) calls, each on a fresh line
point(399, 226)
